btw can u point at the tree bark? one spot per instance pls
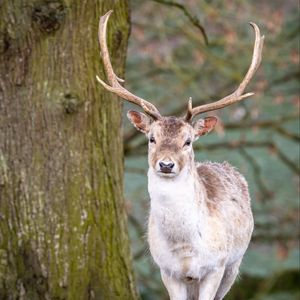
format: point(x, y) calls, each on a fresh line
point(63, 227)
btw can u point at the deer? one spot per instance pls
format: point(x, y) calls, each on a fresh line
point(200, 222)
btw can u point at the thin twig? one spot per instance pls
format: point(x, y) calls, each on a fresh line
point(277, 237)
point(261, 123)
point(268, 124)
point(293, 166)
point(266, 193)
point(284, 132)
point(237, 144)
point(193, 19)
point(141, 233)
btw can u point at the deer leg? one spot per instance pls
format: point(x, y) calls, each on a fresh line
point(230, 275)
point(210, 284)
point(177, 289)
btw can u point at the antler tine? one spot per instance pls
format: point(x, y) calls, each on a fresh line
point(114, 85)
point(237, 95)
point(189, 113)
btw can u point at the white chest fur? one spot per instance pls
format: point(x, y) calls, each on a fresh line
point(174, 225)
point(178, 227)
point(173, 205)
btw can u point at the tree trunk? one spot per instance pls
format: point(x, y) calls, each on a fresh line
point(63, 230)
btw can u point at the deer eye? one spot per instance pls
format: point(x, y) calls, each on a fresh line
point(187, 142)
point(152, 139)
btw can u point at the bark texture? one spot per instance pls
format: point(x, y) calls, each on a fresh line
point(63, 232)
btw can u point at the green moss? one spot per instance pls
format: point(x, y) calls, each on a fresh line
point(65, 224)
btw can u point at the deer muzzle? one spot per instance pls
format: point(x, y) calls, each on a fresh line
point(166, 167)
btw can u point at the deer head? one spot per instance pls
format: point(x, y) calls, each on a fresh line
point(171, 138)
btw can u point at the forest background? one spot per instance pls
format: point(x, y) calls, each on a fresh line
point(63, 218)
point(202, 49)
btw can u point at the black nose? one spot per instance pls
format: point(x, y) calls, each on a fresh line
point(166, 168)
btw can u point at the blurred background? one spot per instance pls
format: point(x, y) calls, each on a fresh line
point(203, 49)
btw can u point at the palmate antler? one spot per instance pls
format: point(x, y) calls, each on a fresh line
point(148, 107)
point(114, 80)
point(237, 95)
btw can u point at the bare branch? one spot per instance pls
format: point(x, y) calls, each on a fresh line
point(293, 166)
point(268, 124)
point(140, 230)
point(277, 237)
point(266, 193)
point(265, 124)
point(286, 133)
point(194, 20)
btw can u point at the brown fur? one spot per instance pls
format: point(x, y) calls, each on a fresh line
point(219, 180)
point(171, 126)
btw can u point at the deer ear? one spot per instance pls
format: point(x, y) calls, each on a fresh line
point(140, 121)
point(204, 126)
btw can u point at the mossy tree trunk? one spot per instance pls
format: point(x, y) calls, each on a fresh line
point(63, 232)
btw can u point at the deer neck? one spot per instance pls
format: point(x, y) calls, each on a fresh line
point(177, 204)
point(166, 190)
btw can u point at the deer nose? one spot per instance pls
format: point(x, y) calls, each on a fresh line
point(166, 167)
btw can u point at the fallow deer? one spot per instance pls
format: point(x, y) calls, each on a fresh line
point(200, 221)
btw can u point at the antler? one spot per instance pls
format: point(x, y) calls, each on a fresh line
point(114, 80)
point(237, 95)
